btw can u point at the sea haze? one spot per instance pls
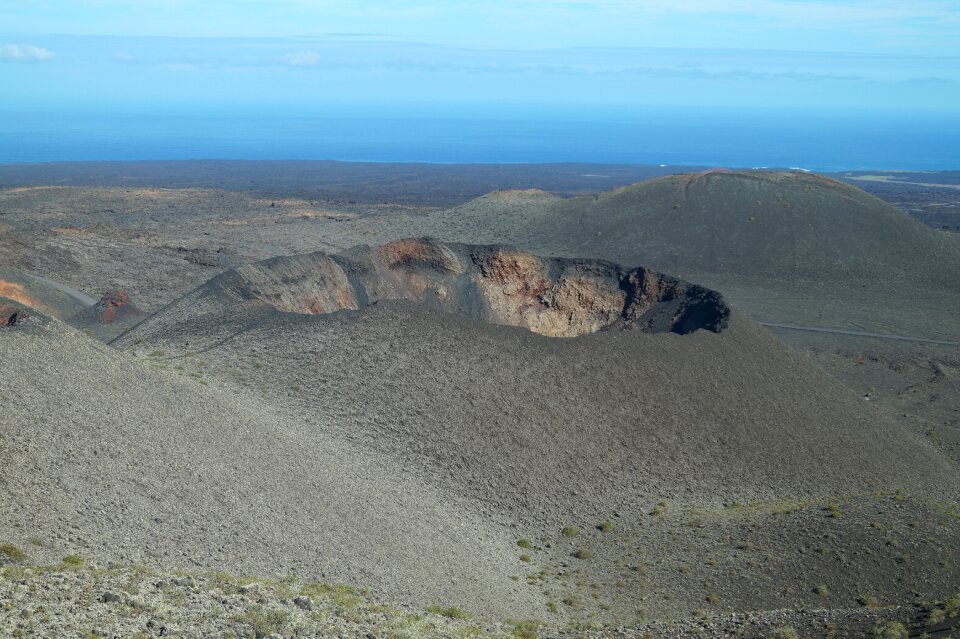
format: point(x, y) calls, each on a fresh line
point(815, 140)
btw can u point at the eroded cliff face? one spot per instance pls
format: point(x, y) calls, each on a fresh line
point(518, 291)
point(549, 296)
point(311, 284)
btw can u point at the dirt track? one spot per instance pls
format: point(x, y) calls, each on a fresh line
point(838, 331)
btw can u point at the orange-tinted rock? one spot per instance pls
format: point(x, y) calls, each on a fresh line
point(518, 292)
point(113, 305)
point(549, 296)
point(112, 315)
point(16, 292)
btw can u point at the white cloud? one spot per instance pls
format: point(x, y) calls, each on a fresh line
point(302, 59)
point(25, 53)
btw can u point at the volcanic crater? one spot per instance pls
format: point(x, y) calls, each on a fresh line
point(554, 297)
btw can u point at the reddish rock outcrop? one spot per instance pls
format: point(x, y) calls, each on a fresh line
point(113, 305)
point(549, 296)
point(113, 314)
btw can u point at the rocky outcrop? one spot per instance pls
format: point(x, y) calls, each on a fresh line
point(114, 307)
point(549, 296)
point(115, 304)
point(14, 318)
point(114, 314)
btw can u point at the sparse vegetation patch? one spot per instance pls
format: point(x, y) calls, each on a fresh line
point(12, 553)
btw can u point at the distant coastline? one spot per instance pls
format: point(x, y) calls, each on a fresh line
point(817, 142)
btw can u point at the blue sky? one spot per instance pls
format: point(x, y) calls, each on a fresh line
point(853, 55)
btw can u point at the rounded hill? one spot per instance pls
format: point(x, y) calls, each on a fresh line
point(788, 226)
point(758, 225)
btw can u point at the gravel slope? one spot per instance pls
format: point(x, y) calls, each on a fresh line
point(543, 433)
point(68, 600)
point(107, 456)
point(541, 425)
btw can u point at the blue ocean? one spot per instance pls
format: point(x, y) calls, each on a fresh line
point(451, 134)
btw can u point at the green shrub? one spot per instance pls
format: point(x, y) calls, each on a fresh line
point(73, 561)
point(952, 606)
point(892, 630)
point(263, 621)
point(449, 612)
point(12, 553)
point(822, 590)
point(605, 526)
point(524, 543)
point(937, 615)
point(784, 633)
point(526, 629)
point(525, 558)
point(569, 531)
point(583, 554)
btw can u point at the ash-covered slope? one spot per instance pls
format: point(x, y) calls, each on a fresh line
point(658, 433)
point(762, 225)
point(119, 459)
point(541, 426)
point(39, 293)
point(436, 455)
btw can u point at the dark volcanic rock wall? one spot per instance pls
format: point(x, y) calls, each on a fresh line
point(549, 296)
